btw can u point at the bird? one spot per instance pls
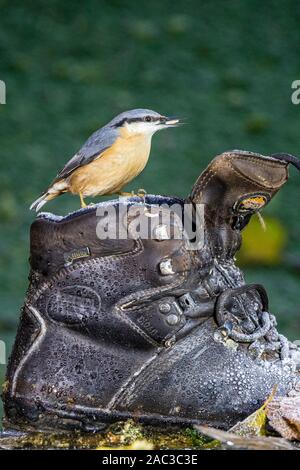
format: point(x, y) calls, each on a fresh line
point(111, 157)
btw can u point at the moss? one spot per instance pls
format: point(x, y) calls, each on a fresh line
point(123, 435)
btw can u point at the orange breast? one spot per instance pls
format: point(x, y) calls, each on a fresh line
point(116, 167)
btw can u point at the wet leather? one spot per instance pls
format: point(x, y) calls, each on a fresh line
point(96, 342)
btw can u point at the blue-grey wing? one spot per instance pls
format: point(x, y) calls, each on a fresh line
point(96, 144)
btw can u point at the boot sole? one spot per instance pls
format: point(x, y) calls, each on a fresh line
point(95, 420)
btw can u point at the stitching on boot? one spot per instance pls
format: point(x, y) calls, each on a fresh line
point(48, 284)
point(115, 400)
point(63, 291)
point(215, 165)
point(144, 295)
point(32, 348)
point(229, 165)
point(150, 372)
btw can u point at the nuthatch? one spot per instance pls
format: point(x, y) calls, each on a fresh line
point(110, 158)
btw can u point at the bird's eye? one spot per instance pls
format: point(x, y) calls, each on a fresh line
point(148, 119)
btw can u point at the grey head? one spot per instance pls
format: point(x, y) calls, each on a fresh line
point(142, 121)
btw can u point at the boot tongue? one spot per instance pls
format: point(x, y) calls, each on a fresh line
point(239, 182)
point(234, 186)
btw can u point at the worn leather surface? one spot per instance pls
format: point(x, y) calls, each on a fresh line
point(113, 329)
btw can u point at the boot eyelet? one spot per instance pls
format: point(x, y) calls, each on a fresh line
point(165, 308)
point(172, 319)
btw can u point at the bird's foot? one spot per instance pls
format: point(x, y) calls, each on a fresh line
point(126, 194)
point(82, 203)
point(141, 193)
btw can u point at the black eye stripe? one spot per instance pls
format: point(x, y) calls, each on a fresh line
point(120, 123)
point(137, 119)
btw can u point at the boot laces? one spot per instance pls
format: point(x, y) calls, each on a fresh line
point(251, 324)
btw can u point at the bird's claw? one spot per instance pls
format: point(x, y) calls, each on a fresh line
point(141, 193)
point(126, 194)
point(82, 203)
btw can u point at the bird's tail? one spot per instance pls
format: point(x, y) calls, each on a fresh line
point(41, 201)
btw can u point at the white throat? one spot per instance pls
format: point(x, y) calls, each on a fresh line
point(145, 128)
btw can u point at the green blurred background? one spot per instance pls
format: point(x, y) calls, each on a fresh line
point(226, 67)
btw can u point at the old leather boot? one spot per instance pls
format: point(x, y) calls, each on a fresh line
point(157, 328)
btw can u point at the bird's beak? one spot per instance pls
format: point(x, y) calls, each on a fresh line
point(170, 121)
